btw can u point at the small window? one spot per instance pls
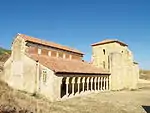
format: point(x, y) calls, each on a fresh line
point(44, 75)
point(104, 64)
point(39, 51)
point(57, 54)
point(70, 57)
point(64, 55)
point(49, 53)
point(108, 62)
point(53, 53)
point(104, 51)
point(60, 54)
point(67, 56)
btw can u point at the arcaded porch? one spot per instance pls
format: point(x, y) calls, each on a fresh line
point(74, 86)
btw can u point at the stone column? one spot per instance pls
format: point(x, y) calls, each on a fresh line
point(87, 81)
point(104, 83)
point(98, 83)
point(78, 84)
point(107, 83)
point(95, 81)
point(67, 83)
point(83, 82)
point(73, 82)
point(91, 83)
point(101, 83)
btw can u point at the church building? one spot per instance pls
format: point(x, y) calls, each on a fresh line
point(58, 72)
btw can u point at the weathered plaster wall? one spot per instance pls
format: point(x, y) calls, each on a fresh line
point(119, 61)
point(99, 57)
point(29, 75)
point(51, 88)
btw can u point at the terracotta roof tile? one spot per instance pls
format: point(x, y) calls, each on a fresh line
point(109, 41)
point(60, 65)
point(46, 43)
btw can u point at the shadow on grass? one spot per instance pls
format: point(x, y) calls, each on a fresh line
point(146, 108)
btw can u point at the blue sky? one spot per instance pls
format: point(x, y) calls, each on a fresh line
point(79, 23)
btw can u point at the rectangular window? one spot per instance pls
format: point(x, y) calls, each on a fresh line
point(44, 75)
point(39, 51)
point(67, 56)
point(53, 53)
point(44, 52)
point(76, 57)
point(60, 54)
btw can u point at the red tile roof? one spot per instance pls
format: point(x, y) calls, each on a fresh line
point(50, 44)
point(59, 65)
point(109, 41)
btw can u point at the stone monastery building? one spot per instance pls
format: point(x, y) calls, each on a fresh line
point(58, 72)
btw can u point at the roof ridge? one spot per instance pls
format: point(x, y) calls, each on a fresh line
point(105, 41)
point(49, 43)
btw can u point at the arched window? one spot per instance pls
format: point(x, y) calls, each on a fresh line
point(104, 64)
point(44, 75)
point(104, 51)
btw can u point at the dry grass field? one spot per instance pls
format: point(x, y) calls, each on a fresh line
point(145, 74)
point(12, 101)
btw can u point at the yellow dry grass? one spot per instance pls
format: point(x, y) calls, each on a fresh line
point(104, 102)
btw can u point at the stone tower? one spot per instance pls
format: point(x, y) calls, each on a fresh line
point(115, 56)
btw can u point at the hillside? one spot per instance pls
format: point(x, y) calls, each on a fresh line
point(13, 101)
point(4, 55)
point(145, 74)
point(4, 51)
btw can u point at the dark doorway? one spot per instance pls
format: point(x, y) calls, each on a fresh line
point(146, 108)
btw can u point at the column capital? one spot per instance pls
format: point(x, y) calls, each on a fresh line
point(73, 80)
point(67, 80)
point(95, 79)
point(78, 80)
point(88, 80)
point(92, 79)
point(83, 80)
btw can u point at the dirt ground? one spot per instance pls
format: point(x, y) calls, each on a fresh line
point(107, 102)
point(137, 101)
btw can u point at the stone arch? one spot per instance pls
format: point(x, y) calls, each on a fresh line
point(76, 85)
point(63, 87)
point(70, 85)
point(90, 83)
point(81, 85)
point(85, 86)
point(96, 83)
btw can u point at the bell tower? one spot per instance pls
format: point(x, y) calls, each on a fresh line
point(114, 55)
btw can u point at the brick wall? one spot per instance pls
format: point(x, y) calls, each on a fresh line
point(33, 49)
